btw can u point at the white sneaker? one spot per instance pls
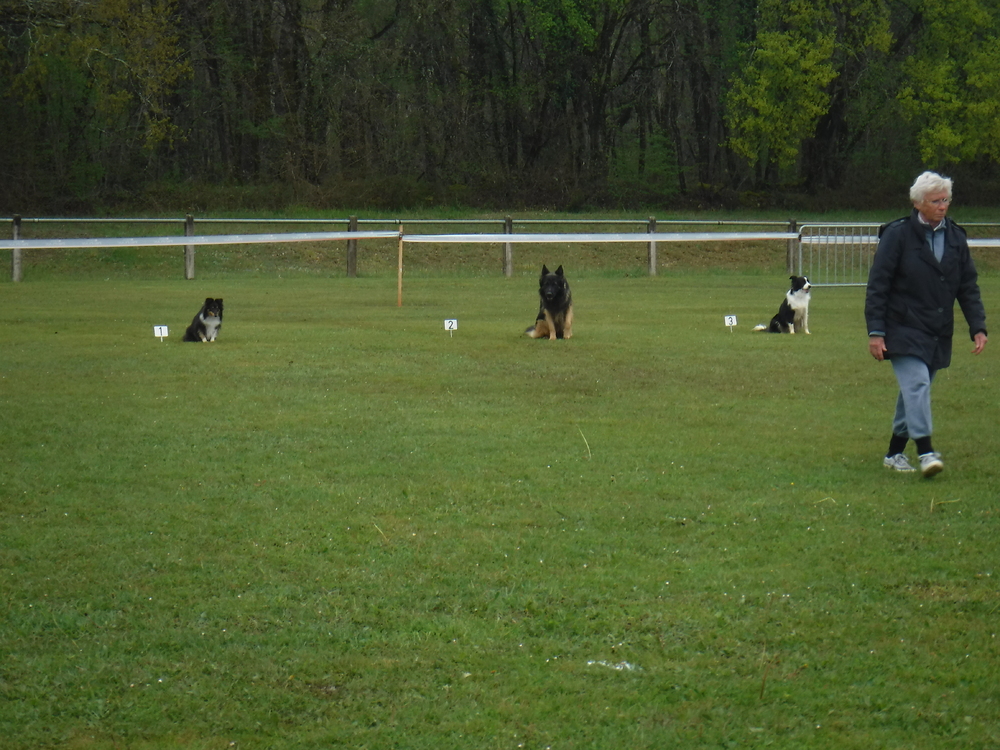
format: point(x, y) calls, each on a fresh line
point(897, 462)
point(931, 464)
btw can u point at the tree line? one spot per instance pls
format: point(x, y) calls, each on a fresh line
point(503, 103)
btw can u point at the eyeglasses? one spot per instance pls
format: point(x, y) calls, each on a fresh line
point(940, 202)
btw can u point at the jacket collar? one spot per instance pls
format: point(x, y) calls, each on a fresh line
point(923, 248)
point(918, 221)
point(920, 228)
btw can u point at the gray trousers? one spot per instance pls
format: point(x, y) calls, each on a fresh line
point(913, 405)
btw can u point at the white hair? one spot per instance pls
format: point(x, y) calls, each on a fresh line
point(929, 182)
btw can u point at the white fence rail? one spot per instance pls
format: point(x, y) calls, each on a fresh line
point(830, 254)
point(508, 238)
point(79, 243)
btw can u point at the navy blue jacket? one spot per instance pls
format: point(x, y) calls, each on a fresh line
point(911, 296)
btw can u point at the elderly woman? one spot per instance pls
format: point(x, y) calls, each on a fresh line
point(921, 267)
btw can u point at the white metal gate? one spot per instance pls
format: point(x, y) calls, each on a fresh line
point(837, 254)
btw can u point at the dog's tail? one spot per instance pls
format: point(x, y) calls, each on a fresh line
point(760, 327)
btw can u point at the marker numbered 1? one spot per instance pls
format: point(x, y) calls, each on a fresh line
point(161, 332)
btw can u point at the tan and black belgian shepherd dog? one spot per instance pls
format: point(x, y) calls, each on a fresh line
point(555, 309)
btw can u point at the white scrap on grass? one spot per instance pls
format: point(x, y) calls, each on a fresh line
point(622, 666)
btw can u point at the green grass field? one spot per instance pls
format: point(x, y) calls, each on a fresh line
point(340, 526)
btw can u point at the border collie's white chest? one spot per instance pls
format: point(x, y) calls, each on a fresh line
point(798, 300)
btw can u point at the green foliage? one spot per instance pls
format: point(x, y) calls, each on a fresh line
point(503, 104)
point(151, 64)
point(782, 94)
point(803, 56)
point(953, 89)
point(93, 81)
point(645, 175)
point(566, 27)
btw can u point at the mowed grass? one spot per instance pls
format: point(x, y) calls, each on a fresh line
point(340, 526)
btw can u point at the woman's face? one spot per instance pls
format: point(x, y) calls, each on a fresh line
point(934, 206)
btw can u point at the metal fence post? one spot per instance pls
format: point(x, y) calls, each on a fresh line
point(189, 249)
point(508, 248)
point(651, 229)
point(15, 254)
point(791, 253)
point(352, 248)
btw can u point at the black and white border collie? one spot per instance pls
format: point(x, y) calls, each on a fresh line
point(793, 315)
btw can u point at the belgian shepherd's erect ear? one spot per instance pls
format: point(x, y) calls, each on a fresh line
point(545, 270)
point(559, 271)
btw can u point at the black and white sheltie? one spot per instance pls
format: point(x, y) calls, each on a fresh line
point(206, 324)
point(793, 315)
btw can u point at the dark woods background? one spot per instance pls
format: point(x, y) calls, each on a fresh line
point(566, 104)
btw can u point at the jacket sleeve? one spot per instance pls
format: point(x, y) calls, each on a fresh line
point(880, 278)
point(969, 298)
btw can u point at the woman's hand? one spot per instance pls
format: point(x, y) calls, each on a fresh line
point(876, 345)
point(980, 339)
